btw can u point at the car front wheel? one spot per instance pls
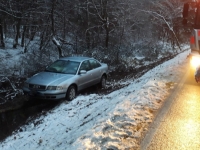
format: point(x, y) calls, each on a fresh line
point(103, 82)
point(71, 93)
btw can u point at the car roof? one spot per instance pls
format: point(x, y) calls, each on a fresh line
point(76, 58)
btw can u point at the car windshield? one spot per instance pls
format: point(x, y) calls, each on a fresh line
point(63, 66)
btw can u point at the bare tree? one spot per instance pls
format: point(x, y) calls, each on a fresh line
point(168, 18)
point(1, 33)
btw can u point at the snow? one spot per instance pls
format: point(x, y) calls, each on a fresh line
point(9, 60)
point(114, 121)
point(56, 42)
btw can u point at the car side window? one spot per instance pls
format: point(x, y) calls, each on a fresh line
point(94, 64)
point(85, 66)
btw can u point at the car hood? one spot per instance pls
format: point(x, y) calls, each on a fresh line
point(48, 78)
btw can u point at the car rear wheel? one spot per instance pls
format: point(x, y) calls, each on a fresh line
point(71, 93)
point(103, 82)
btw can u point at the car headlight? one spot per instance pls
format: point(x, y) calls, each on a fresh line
point(59, 87)
point(54, 88)
point(195, 61)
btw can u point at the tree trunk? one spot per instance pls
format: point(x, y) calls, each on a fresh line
point(87, 32)
point(1, 34)
point(23, 36)
point(53, 29)
point(32, 33)
point(17, 34)
point(5, 29)
point(107, 36)
point(41, 40)
point(88, 40)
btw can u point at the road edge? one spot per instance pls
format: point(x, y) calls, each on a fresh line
point(161, 113)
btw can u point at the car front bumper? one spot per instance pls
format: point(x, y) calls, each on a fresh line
point(49, 95)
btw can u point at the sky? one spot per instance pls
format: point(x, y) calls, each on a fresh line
point(114, 121)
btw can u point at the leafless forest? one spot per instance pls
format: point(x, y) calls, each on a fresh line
point(109, 30)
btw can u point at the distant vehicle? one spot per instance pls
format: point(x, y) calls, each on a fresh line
point(193, 6)
point(66, 77)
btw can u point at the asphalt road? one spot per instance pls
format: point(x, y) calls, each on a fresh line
point(177, 126)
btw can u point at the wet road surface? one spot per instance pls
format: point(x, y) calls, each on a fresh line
point(177, 127)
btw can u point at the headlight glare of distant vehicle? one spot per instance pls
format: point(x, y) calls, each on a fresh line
point(54, 88)
point(195, 61)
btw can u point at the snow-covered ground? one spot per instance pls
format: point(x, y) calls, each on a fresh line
point(11, 61)
point(114, 121)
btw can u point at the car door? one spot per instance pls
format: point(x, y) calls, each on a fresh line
point(95, 71)
point(86, 78)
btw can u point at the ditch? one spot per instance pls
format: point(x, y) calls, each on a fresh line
point(19, 111)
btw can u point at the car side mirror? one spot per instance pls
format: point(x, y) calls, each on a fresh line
point(82, 72)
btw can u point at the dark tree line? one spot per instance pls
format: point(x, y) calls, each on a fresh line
point(85, 25)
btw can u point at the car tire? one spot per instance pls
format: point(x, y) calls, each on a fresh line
point(71, 93)
point(102, 83)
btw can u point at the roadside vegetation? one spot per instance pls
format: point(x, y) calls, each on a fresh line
point(126, 35)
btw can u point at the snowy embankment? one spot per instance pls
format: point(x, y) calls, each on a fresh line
point(113, 121)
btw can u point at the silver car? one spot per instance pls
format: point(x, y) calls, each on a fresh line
point(66, 77)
